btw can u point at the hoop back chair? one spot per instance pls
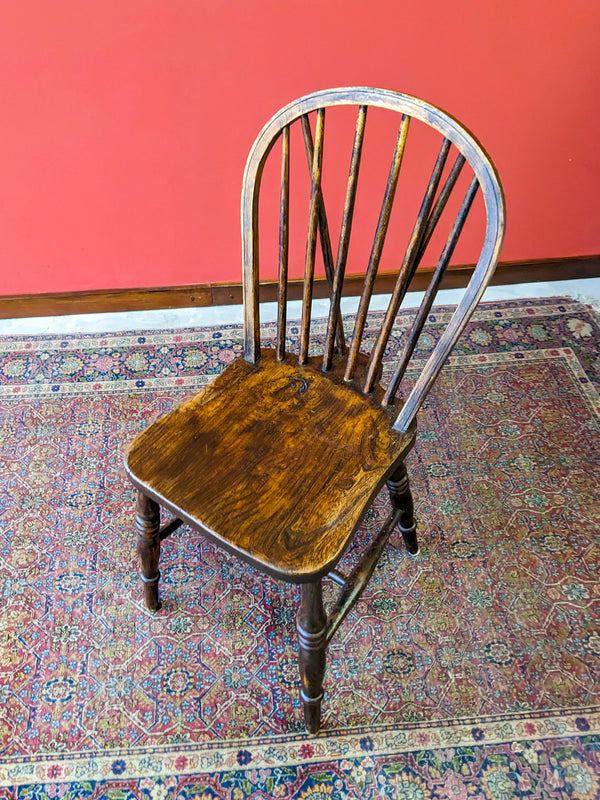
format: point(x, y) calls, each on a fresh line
point(278, 459)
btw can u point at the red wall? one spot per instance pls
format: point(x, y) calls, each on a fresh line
point(126, 123)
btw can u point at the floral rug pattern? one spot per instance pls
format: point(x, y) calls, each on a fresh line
point(470, 671)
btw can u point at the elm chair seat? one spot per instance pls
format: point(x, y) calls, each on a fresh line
point(279, 459)
point(285, 491)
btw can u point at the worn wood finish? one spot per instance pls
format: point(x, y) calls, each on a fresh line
point(401, 497)
point(277, 448)
point(342, 255)
point(284, 242)
point(337, 577)
point(409, 266)
point(356, 582)
point(323, 229)
point(440, 204)
point(457, 136)
point(377, 249)
point(170, 528)
point(311, 239)
point(430, 294)
point(311, 624)
point(147, 520)
point(280, 457)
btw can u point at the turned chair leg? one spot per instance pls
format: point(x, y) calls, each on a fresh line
point(401, 497)
point(147, 521)
point(312, 636)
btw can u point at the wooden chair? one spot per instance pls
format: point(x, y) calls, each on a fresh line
point(280, 457)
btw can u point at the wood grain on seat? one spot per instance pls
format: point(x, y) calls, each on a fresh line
point(275, 461)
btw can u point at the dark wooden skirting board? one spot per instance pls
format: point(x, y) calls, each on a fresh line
point(214, 294)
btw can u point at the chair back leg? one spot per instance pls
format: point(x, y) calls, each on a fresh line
point(400, 495)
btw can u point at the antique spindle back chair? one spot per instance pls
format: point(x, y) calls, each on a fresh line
point(279, 458)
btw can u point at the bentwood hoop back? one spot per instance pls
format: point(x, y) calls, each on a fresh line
point(278, 459)
point(484, 177)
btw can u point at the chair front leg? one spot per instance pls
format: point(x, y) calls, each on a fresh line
point(312, 635)
point(400, 495)
point(147, 521)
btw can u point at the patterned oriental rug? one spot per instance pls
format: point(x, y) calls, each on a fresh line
point(472, 671)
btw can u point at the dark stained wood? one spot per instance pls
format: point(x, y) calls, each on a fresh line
point(408, 268)
point(323, 228)
point(337, 577)
point(377, 249)
point(440, 204)
point(274, 447)
point(147, 522)
point(355, 583)
point(311, 239)
point(279, 458)
point(401, 498)
point(284, 242)
point(430, 294)
point(170, 528)
point(100, 301)
point(105, 301)
point(342, 255)
point(312, 642)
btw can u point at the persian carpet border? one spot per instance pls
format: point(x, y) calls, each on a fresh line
point(297, 750)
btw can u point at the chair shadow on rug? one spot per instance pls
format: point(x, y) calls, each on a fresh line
point(278, 460)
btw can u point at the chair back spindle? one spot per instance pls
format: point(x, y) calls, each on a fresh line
point(430, 294)
point(334, 320)
point(433, 205)
point(377, 248)
point(311, 240)
point(408, 268)
point(324, 236)
point(284, 242)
